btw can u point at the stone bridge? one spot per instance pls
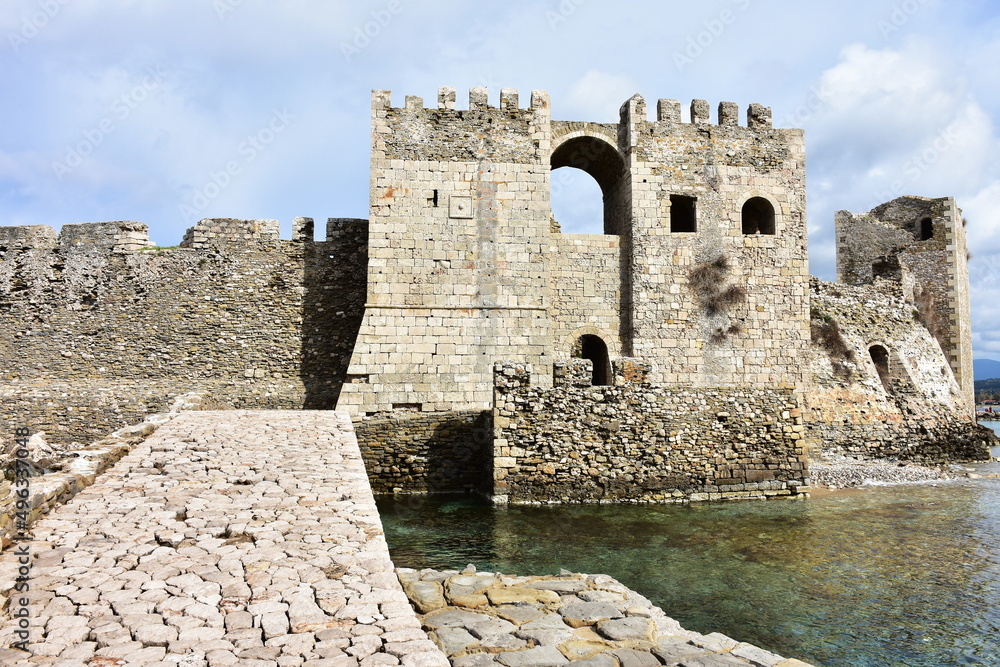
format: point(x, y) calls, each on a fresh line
point(224, 538)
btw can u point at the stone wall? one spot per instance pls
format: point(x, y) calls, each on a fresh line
point(913, 411)
point(98, 329)
point(640, 442)
point(414, 453)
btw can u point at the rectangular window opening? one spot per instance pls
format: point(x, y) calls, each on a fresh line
point(682, 214)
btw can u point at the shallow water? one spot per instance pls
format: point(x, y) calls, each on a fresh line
point(906, 575)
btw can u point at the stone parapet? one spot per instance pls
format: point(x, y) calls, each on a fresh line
point(231, 233)
point(641, 442)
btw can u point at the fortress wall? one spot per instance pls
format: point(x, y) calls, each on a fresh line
point(756, 339)
point(585, 275)
point(457, 275)
point(917, 413)
point(98, 329)
point(641, 442)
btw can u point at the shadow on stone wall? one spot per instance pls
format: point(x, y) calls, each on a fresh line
point(447, 452)
point(335, 284)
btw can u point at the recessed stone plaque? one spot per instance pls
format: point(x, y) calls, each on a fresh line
point(460, 207)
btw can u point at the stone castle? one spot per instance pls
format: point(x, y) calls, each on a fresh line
point(683, 354)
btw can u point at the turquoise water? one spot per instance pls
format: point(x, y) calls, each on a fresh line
point(906, 575)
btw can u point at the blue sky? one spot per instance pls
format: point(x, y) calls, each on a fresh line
point(167, 111)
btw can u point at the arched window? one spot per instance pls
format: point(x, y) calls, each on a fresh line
point(758, 216)
point(602, 161)
point(926, 229)
point(595, 349)
point(880, 357)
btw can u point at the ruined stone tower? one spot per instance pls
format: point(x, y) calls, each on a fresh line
point(921, 243)
point(702, 269)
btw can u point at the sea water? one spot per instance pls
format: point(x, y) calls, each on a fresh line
point(899, 575)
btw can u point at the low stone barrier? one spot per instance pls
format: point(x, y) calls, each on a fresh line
point(633, 441)
point(482, 619)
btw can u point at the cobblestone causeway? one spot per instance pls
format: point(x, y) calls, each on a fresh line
point(226, 538)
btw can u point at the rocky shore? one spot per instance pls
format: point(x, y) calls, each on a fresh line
point(482, 619)
point(845, 473)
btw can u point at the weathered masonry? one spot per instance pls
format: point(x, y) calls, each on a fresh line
point(714, 365)
point(702, 269)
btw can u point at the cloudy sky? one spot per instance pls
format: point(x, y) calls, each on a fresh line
point(167, 111)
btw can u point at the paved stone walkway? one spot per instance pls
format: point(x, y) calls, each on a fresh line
point(226, 538)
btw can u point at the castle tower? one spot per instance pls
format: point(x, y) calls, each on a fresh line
point(702, 268)
point(457, 275)
point(716, 245)
point(926, 239)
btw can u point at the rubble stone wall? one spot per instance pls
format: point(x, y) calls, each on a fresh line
point(415, 453)
point(641, 442)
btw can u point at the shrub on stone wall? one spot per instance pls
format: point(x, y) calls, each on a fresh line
point(825, 332)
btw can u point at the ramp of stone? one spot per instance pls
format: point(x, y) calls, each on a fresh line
point(226, 538)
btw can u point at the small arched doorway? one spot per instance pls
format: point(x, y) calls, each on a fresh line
point(880, 357)
point(595, 349)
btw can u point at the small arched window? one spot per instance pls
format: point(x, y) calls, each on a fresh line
point(758, 216)
point(595, 349)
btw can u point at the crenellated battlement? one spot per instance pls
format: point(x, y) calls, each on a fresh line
point(479, 100)
point(758, 116)
point(118, 237)
point(27, 237)
point(121, 237)
point(114, 237)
